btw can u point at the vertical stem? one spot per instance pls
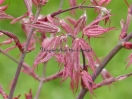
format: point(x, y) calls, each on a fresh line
point(41, 82)
point(84, 62)
point(23, 55)
point(61, 3)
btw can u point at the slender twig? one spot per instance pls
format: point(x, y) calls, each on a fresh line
point(52, 77)
point(60, 6)
point(72, 8)
point(111, 80)
point(69, 9)
point(104, 63)
point(23, 55)
point(7, 55)
point(41, 82)
point(2, 92)
point(84, 62)
point(61, 3)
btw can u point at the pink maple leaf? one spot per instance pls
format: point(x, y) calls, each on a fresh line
point(87, 81)
point(129, 59)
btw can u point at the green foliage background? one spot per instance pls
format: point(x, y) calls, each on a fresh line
point(55, 89)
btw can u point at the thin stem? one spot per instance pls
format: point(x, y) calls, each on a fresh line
point(23, 55)
point(60, 6)
point(111, 80)
point(41, 82)
point(7, 55)
point(84, 62)
point(72, 8)
point(61, 3)
point(115, 50)
point(52, 77)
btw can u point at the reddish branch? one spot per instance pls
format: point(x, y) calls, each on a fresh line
point(115, 50)
point(41, 82)
point(69, 9)
point(111, 80)
point(14, 37)
point(4, 95)
point(23, 55)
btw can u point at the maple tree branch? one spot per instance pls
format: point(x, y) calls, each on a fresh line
point(52, 77)
point(23, 55)
point(71, 8)
point(104, 63)
point(7, 55)
point(41, 82)
point(111, 80)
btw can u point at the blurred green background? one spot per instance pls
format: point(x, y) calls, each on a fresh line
point(54, 89)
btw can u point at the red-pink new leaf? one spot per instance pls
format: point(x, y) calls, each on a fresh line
point(52, 20)
point(80, 24)
point(17, 97)
point(1, 1)
point(39, 2)
point(45, 27)
point(19, 18)
point(59, 58)
point(29, 7)
point(29, 95)
point(87, 81)
point(127, 45)
point(76, 55)
point(10, 48)
point(3, 8)
point(48, 50)
point(129, 59)
point(125, 26)
point(105, 74)
point(72, 3)
point(106, 2)
point(9, 41)
point(75, 77)
point(43, 53)
point(67, 28)
point(130, 9)
point(53, 48)
point(16, 40)
point(76, 63)
point(98, 19)
point(3, 15)
point(71, 67)
point(1, 34)
point(24, 26)
point(89, 54)
point(95, 30)
point(100, 2)
point(71, 20)
point(68, 64)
